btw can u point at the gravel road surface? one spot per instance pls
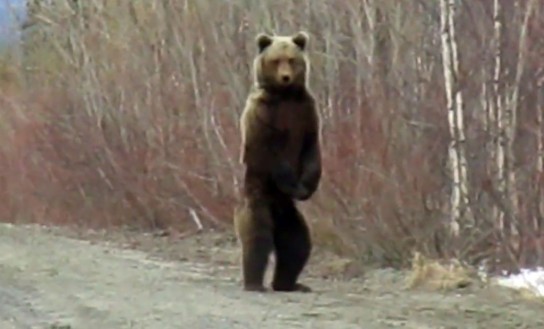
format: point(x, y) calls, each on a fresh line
point(51, 281)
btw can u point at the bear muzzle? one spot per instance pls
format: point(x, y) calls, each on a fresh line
point(285, 79)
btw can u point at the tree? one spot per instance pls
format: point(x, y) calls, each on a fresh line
point(461, 216)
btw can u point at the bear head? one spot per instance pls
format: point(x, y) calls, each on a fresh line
point(281, 63)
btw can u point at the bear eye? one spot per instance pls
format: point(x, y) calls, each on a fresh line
point(291, 60)
point(275, 61)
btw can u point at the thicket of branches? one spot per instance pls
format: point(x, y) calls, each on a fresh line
point(126, 113)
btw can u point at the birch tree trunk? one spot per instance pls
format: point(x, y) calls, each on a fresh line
point(540, 117)
point(461, 216)
point(381, 52)
point(540, 146)
point(497, 113)
point(513, 108)
point(507, 124)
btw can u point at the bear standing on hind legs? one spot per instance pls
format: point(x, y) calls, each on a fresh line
point(281, 154)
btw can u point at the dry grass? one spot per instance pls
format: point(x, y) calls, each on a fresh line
point(529, 295)
point(433, 275)
point(332, 238)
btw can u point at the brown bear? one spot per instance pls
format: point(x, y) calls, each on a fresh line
point(282, 159)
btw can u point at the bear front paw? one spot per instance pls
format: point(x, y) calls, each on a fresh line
point(302, 194)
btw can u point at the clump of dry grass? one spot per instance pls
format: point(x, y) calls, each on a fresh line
point(327, 236)
point(529, 295)
point(430, 274)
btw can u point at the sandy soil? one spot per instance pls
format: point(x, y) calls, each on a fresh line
point(50, 280)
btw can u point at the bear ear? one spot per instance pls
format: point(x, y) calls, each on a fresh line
point(301, 39)
point(263, 41)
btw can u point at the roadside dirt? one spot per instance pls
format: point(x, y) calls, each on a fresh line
point(119, 280)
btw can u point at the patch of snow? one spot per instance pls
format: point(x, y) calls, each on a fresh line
point(532, 280)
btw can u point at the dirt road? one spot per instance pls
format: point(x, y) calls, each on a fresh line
point(49, 281)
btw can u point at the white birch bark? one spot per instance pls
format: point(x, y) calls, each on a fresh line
point(497, 112)
point(507, 124)
point(513, 110)
point(460, 211)
point(539, 223)
point(539, 118)
point(484, 114)
point(540, 149)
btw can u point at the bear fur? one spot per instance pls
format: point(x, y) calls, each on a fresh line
point(282, 159)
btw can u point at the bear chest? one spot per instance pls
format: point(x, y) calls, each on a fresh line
point(290, 126)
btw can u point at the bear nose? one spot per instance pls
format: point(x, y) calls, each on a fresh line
point(285, 78)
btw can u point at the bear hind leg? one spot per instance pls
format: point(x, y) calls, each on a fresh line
point(254, 229)
point(292, 247)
